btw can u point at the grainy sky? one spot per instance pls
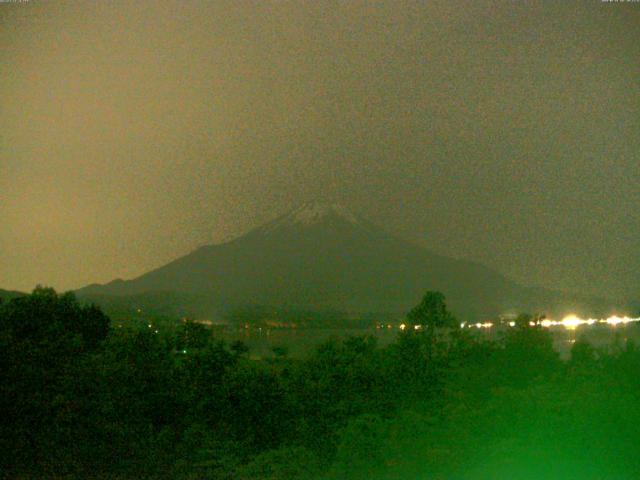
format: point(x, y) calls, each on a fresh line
point(504, 132)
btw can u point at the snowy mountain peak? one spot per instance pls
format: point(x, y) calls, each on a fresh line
point(312, 213)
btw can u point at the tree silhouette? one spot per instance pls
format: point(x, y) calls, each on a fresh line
point(431, 312)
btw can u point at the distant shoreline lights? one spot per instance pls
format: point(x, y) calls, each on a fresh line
point(570, 322)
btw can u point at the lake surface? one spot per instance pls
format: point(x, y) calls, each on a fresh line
point(299, 342)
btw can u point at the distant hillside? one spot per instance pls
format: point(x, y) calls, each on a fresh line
point(9, 294)
point(324, 257)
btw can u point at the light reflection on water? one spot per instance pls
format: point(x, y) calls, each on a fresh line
point(298, 342)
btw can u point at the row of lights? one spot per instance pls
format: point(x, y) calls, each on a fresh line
point(570, 322)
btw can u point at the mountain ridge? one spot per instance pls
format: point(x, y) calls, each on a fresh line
point(321, 255)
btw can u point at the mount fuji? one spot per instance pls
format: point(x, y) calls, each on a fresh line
point(322, 256)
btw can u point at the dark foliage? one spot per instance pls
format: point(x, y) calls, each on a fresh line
point(81, 401)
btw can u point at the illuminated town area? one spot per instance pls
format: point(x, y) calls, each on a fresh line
point(570, 322)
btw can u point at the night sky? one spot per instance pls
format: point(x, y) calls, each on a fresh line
point(504, 132)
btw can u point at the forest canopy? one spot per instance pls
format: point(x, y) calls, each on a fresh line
point(83, 399)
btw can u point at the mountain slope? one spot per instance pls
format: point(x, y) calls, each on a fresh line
point(7, 295)
point(322, 256)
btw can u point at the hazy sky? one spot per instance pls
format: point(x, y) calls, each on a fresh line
point(505, 132)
